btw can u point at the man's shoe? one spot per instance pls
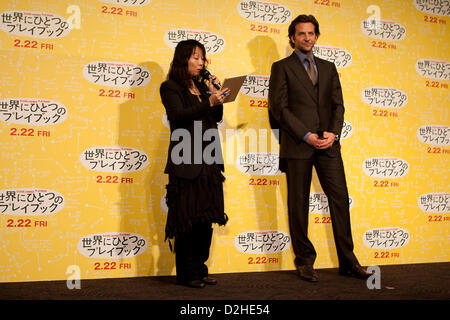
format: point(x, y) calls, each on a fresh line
point(356, 271)
point(209, 281)
point(196, 284)
point(307, 273)
point(192, 284)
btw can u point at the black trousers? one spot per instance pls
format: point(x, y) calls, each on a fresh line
point(192, 252)
point(330, 171)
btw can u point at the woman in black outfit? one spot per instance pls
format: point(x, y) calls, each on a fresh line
point(194, 192)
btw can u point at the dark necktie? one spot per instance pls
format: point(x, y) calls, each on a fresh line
point(311, 71)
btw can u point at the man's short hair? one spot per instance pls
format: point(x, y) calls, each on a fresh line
point(302, 19)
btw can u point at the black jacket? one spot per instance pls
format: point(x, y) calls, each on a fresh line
point(182, 112)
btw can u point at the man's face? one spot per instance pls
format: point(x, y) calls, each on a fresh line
point(305, 37)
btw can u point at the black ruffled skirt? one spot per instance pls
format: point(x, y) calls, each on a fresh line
point(195, 201)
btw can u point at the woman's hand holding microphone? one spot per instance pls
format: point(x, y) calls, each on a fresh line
point(218, 94)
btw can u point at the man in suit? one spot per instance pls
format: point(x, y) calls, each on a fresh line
point(305, 98)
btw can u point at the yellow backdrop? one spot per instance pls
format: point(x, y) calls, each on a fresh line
point(84, 135)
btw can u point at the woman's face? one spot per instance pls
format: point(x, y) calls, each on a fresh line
point(196, 62)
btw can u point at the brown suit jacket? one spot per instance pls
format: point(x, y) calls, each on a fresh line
point(298, 108)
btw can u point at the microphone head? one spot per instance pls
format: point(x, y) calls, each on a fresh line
point(205, 74)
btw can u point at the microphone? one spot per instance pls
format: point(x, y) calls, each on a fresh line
point(207, 75)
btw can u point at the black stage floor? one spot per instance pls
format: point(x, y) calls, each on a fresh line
point(429, 281)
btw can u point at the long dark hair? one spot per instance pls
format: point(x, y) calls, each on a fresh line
point(302, 19)
point(178, 71)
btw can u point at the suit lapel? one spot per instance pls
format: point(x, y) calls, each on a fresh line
point(322, 71)
point(302, 75)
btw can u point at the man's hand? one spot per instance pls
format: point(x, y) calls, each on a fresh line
point(313, 140)
point(327, 140)
point(321, 143)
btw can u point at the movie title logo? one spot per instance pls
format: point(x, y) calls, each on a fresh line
point(437, 7)
point(434, 134)
point(384, 97)
point(385, 167)
point(386, 238)
point(30, 202)
point(266, 241)
point(129, 3)
point(116, 74)
point(385, 30)
point(340, 57)
point(256, 86)
point(114, 159)
point(213, 42)
point(259, 164)
point(433, 69)
point(347, 130)
point(115, 245)
point(263, 11)
point(32, 111)
point(438, 202)
point(34, 24)
point(318, 203)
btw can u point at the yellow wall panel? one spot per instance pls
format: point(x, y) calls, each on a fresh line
point(80, 85)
